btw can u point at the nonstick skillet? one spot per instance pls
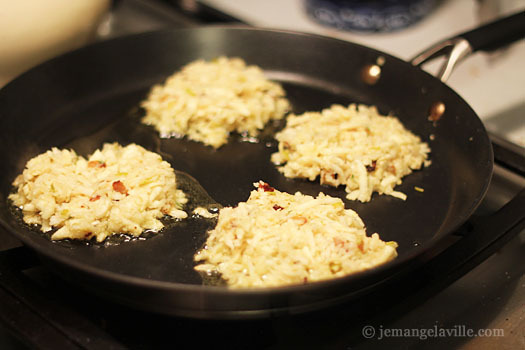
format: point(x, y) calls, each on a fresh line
point(90, 96)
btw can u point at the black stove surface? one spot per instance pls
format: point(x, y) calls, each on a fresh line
point(475, 285)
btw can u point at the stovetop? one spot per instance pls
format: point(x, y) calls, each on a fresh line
point(476, 284)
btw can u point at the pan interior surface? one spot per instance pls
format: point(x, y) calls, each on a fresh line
point(91, 96)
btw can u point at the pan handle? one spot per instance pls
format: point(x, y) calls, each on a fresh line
point(488, 37)
point(497, 34)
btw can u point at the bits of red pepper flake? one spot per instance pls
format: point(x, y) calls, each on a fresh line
point(305, 280)
point(392, 169)
point(96, 164)
point(95, 198)
point(277, 207)
point(338, 241)
point(372, 166)
point(301, 220)
point(267, 188)
point(342, 244)
point(119, 187)
point(361, 246)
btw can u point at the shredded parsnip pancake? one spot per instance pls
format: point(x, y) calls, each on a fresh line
point(206, 101)
point(116, 190)
point(275, 239)
point(353, 146)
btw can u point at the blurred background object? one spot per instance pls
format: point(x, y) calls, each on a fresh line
point(32, 31)
point(368, 15)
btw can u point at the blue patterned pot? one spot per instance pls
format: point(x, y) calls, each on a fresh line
point(368, 15)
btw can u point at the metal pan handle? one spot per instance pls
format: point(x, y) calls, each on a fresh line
point(497, 34)
point(488, 37)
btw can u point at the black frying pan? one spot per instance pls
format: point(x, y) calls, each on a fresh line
point(90, 96)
